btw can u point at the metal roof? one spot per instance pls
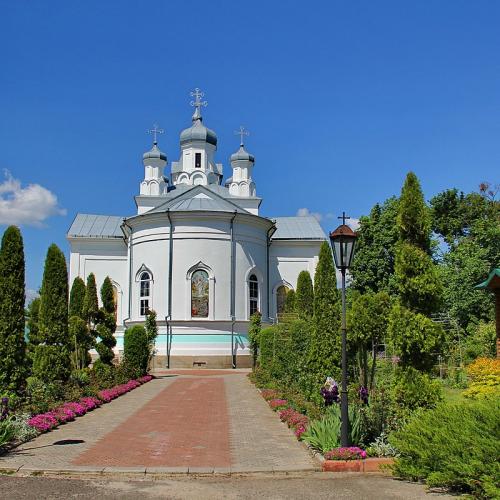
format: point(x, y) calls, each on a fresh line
point(492, 281)
point(96, 226)
point(298, 228)
point(198, 198)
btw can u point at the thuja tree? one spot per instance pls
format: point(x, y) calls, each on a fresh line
point(304, 297)
point(367, 326)
point(12, 296)
point(33, 313)
point(290, 301)
point(90, 308)
point(151, 334)
point(325, 348)
point(106, 324)
point(77, 298)
point(51, 359)
point(411, 332)
point(254, 335)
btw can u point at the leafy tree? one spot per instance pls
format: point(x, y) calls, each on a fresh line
point(372, 269)
point(136, 349)
point(413, 215)
point(151, 334)
point(105, 322)
point(325, 348)
point(32, 323)
point(83, 342)
point(77, 298)
point(304, 298)
point(367, 326)
point(290, 301)
point(253, 335)
point(91, 303)
point(12, 296)
point(51, 357)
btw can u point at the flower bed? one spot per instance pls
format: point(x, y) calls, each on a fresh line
point(350, 453)
point(45, 422)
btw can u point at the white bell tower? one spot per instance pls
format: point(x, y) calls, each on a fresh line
point(154, 183)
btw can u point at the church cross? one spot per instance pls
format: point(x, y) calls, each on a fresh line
point(242, 132)
point(155, 131)
point(344, 217)
point(198, 94)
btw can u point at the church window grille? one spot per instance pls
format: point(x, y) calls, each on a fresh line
point(197, 160)
point(199, 294)
point(145, 293)
point(281, 298)
point(253, 291)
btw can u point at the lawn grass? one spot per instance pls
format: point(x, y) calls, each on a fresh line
point(452, 395)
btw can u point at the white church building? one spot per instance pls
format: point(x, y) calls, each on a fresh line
point(197, 252)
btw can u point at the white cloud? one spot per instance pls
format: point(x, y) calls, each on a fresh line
point(30, 295)
point(353, 223)
point(305, 212)
point(29, 205)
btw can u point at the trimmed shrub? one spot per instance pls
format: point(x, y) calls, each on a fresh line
point(77, 298)
point(136, 348)
point(304, 298)
point(484, 375)
point(454, 445)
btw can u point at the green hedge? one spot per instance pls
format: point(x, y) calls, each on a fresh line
point(453, 445)
point(136, 348)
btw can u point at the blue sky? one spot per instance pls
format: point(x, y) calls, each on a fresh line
point(341, 98)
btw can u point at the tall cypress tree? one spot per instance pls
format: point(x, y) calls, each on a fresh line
point(33, 313)
point(90, 302)
point(304, 297)
point(12, 297)
point(77, 298)
point(413, 335)
point(106, 323)
point(51, 359)
point(325, 347)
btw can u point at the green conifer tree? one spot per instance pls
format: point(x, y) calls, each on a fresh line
point(254, 335)
point(51, 360)
point(77, 298)
point(290, 302)
point(33, 314)
point(151, 333)
point(106, 323)
point(12, 296)
point(90, 302)
point(325, 346)
point(304, 298)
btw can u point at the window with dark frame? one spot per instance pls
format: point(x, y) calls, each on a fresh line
point(197, 160)
point(253, 289)
point(145, 293)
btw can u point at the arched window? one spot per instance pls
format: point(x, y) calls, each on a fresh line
point(145, 293)
point(253, 294)
point(281, 298)
point(199, 294)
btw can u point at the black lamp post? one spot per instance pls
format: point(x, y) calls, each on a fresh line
point(343, 240)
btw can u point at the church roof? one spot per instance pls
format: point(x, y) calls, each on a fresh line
point(198, 198)
point(96, 226)
point(298, 228)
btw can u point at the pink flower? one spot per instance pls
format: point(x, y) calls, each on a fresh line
point(350, 453)
point(277, 403)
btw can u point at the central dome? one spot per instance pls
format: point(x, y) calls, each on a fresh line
point(198, 132)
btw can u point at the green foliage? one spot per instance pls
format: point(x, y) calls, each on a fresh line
point(254, 330)
point(480, 342)
point(413, 215)
point(51, 362)
point(77, 298)
point(417, 280)
point(90, 302)
point(290, 301)
point(7, 431)
point(151, 334)
point(83, 341)
point(367, 322)
point(136, 349)
point(12, 296)
point(304, 299)
point(455, 446)
point(414, 337)
point(51, 359)
point(373, 264)
point(32, 321)
point(107, 296)
point(324, 351)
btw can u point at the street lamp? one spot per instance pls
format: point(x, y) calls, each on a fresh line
point(343, 240)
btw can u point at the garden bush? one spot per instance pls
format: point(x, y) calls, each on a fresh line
point(136, 349)
point(484, 376)
point(454, 445)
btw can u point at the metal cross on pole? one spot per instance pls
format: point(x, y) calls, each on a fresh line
point(155, 131)
point(344, 217)
point(242, 132)
point(198, 94)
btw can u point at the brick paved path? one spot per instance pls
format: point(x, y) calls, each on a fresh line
point(197, 422)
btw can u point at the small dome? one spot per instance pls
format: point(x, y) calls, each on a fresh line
point(242, 155)
point(154, 154)
point(198, 132)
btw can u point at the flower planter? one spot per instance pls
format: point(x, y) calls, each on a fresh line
point(366, 465)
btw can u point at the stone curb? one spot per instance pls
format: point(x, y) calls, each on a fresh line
point(365, 466)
